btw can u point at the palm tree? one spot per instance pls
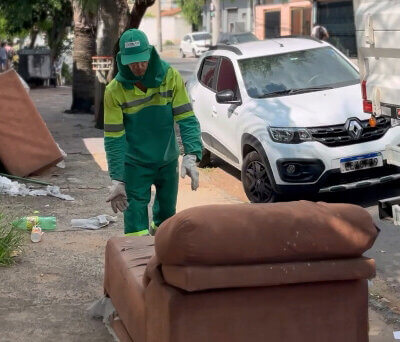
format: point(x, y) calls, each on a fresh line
point(85, 22)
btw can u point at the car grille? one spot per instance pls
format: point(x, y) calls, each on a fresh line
point(338, 135)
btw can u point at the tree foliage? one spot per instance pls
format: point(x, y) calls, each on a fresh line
point(192, 10)
point(21, 17)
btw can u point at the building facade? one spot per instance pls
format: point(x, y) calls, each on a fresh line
point(275, 18)
point(236, 16)
point(338, 17)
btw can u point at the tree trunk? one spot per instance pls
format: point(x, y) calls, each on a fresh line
point(107, 35)
point(84, 49)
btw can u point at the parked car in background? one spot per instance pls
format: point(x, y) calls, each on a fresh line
point(195, 44)
point(236, 38)
point(287, 112)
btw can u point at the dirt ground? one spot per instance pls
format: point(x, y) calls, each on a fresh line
point(44, 297)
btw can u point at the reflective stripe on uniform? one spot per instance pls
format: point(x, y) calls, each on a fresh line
point(113, 127)
point(139, 233)
point(182, 109)
point(134, 103)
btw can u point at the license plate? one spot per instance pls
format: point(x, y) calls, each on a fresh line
point(366, 161)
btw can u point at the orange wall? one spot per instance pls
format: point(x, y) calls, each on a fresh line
point(285, 16)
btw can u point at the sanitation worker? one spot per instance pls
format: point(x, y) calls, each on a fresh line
point(141, 105)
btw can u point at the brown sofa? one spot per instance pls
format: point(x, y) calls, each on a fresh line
point(246, 273)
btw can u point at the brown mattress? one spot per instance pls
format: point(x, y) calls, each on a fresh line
point(26, 145)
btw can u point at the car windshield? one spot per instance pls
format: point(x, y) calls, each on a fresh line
point(202, 36)
point(247, 37)
point(289, 73)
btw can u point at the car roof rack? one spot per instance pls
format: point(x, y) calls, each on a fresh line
point(231, 48)
point(301, 37)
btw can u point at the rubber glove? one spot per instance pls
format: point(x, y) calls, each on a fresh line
point(118, 197)
point(189, 168)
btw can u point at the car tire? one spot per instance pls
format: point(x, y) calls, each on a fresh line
point(256, 182)
point(182, 53)
point(205, 159)
point(194, 53)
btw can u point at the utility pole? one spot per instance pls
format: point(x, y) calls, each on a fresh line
point(159, 35)
point(216, 20)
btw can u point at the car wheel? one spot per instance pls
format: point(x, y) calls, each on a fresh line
point(182, 53)
point(256, 183)
point(205, 159)
point(194, 53)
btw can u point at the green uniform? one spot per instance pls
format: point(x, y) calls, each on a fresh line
point(140, 139)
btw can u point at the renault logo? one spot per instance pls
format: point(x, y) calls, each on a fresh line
point(354, 128)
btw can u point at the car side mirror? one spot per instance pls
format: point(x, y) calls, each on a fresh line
point(227, 96)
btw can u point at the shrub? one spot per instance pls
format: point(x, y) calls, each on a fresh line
point(10, 241)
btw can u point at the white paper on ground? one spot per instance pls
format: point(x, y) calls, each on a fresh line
point(12, 188)
point(93, 223)
point(396, 335)
point(61, 164)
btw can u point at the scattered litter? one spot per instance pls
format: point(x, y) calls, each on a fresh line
point(11, 188)
point(36, 234)
point(101, 309)
point(61, 164)
point(382, 251)
point(47, 205)
point(93, 223)
point(396, 214)
point(23, 179)
point(396, 335)
point(28, 222)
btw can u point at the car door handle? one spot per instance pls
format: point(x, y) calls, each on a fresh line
point(214, 111)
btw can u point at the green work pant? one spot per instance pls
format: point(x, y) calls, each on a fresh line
point(139, 179)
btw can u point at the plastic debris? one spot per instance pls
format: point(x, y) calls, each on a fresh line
point(29, 222)
point(396, 335)
point(36, 234)
point(93, 223)
point(101, 309)
point(61, 164)
point(14, 188)
point(396, 214)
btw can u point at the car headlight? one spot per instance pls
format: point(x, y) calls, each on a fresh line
point(289, 135)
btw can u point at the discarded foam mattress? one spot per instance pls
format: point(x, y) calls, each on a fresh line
point(26, 145)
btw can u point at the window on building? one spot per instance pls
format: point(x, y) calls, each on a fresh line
point(301, 21)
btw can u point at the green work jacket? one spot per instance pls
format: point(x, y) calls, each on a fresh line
point(139, 126)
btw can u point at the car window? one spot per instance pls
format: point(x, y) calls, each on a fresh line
point(208, 72)
point(185, 38)
point(201, 36)
point(245, 37)
point(227, 77)
point(321, 67)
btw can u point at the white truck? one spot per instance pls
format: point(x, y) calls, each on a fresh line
point(378, 39)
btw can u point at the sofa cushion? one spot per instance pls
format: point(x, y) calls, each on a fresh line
point(264, 233)
point(200, 277)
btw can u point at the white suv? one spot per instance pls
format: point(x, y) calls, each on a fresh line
point(287, 112)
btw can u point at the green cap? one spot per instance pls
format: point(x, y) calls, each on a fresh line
point(134, 47)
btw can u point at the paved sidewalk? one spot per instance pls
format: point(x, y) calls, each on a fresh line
point(45, 295)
